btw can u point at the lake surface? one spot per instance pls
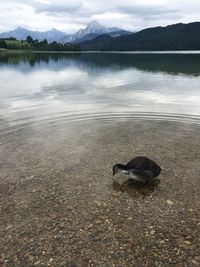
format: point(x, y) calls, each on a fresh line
point(65, 119)
point(52, 87)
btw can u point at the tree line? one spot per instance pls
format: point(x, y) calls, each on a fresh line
point(30, 44)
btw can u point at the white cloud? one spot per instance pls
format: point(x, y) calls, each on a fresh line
point(42, 1)
point(69, 16)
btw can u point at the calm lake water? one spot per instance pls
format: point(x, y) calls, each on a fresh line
point(66, 87)
point(65, 119)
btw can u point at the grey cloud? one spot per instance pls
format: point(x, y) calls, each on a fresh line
point(77, 9)
point(81, 9)
point(58, 8)
point(69, 15)
point(146, 11)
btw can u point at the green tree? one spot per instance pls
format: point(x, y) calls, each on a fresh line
point(29, 39)
point(3, 44)
point(45, 42)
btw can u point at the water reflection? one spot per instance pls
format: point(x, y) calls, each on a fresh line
point(169, 63)
point(59, 87)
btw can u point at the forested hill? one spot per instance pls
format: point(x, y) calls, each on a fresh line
point(173, 37)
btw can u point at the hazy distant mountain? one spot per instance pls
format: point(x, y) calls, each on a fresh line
point(21, 34)
point(91, 36)
point(173, 37)
point(92, 30)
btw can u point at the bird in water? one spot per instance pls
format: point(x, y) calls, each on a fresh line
point(140, 169)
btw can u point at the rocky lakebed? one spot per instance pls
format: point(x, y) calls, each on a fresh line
point(59, 204)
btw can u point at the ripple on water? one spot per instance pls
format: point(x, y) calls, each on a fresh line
point(60, 118)
point(58, 179)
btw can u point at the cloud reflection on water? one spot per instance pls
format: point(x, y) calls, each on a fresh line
point(75, 86)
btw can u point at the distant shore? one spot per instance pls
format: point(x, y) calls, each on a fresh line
point(103, 52)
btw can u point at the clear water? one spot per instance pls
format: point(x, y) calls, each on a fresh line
point(65, 119)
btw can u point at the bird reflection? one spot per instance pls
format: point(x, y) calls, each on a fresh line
point(135, 189)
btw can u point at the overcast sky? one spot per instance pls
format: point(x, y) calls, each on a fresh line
point(71, 15)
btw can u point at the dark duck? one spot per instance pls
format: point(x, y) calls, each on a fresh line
point(140, 169)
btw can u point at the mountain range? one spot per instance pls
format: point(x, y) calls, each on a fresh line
point(96, 37)
point(93, 29)
point(21, 33)
point(173, 37)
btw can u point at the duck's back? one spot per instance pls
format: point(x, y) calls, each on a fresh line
point(144, 163)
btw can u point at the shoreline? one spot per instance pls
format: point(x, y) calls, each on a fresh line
point(103, 52)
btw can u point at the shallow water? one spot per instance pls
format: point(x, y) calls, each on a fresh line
point(65, 120)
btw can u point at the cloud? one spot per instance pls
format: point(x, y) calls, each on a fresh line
point(69, 16)
point(58, 7)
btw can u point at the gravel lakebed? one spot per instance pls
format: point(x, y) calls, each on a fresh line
point(59, 204)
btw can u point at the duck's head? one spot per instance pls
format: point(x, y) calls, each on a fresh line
point(118, 168)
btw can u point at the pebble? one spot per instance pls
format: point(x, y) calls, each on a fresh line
point(152, 232)
point(195, 263)
point(62, 225)
point(169, 202)
point(30, 258)
point(187, 242)
point(9, 227)
point(197, 258)
point(57, 236)
point(98, 204)
point(2, 258)
point(36, 263)
point(63, 263)
point(188, 237)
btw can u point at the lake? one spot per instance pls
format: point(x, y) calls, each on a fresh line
point(65, 119)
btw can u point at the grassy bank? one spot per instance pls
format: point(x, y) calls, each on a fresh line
point(35, 45)
point(15, 44)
